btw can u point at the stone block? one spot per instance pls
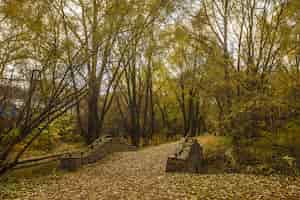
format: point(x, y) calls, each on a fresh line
point(188, 157)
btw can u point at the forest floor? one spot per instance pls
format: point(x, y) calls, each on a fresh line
point(141, 175)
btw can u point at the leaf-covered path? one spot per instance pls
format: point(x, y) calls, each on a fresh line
point(140, 175)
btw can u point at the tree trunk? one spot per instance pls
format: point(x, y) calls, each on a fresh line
point(93, 117)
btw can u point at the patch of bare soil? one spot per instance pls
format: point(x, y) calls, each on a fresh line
point(141, 175)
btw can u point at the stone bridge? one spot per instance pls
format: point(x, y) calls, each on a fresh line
point(96, 151)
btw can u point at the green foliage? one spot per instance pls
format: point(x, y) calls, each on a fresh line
point(63, 129)
point(289, 138)
point(8, 137)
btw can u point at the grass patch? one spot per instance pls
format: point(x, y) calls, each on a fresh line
point(212, 144)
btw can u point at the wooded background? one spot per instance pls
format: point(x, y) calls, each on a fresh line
point(76, 69)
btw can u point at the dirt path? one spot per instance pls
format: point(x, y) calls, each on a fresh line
point(140, 175)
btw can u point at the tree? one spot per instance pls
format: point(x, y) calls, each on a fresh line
point(46, 80)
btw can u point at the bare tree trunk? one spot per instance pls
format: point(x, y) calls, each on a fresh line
point(93, 117)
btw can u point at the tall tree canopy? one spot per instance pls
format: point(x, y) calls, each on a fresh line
point(139, 68)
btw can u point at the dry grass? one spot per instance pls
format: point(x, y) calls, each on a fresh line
point(212, 143)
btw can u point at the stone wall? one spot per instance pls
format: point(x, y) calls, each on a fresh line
point(188, 157)
point(96, 151)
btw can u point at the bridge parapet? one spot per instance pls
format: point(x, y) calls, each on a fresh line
point(100, 148)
